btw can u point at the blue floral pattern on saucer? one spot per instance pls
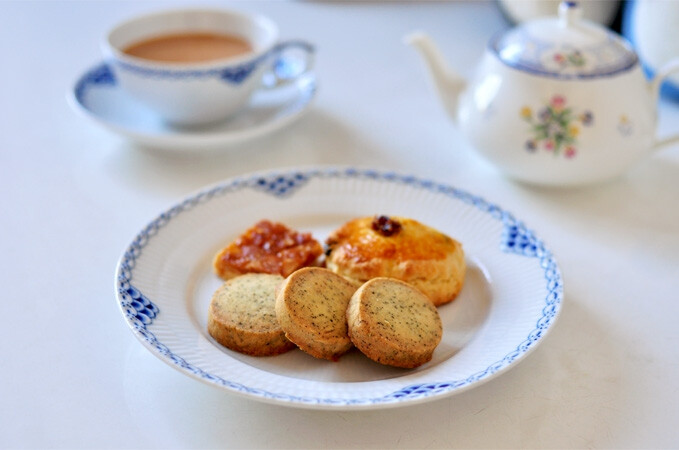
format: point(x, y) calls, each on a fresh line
point(97, 95)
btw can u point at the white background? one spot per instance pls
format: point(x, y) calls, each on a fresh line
point(74, 195)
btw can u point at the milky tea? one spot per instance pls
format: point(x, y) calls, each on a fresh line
point(189, 47)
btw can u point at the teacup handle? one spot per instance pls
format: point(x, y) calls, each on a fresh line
point(668, 69)
point(290, 61)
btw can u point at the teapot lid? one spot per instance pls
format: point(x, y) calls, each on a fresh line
point(566, 47)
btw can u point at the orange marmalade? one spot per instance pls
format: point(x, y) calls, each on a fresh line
point(267, 247)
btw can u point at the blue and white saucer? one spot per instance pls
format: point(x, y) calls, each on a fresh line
point(98, 96)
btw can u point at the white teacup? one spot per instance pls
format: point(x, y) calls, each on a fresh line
point(188, 94)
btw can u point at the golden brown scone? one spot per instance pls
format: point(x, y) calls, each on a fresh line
point(400, 248)
point(267, 247)
point(242, 316)
point(311, 307)
point(394, 323)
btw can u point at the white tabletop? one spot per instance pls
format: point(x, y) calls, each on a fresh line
point(73, 374)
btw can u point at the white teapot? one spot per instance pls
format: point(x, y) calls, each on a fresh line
point(555, 101)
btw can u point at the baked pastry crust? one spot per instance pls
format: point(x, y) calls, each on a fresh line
point(311, 307)
point(413, 252)
point(394, 323)
point(267, 247)
point(242, 316)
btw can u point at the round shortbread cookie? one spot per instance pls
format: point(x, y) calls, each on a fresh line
point(311, 307)
point(394, 323)
point(242, 316)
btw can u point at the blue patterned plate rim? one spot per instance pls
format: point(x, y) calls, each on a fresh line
point(140, 311)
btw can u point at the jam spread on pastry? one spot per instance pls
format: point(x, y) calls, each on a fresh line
point(267, 247)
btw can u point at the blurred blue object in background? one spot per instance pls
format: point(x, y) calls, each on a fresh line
point(653, 29)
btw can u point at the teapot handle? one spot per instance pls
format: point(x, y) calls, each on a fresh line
point(668, 69)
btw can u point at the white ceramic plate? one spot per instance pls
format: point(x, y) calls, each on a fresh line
point(98, 96)
point(511, 297)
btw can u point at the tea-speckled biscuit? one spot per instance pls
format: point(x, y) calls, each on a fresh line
point(311, 307)
point(242, 316)
point(394, 323)
point(401, 248)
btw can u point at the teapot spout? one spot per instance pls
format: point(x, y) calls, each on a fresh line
point(448, 84)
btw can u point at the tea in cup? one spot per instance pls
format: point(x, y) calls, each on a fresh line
point(197, 67)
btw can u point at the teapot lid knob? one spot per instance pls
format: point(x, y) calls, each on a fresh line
point(569, 13)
